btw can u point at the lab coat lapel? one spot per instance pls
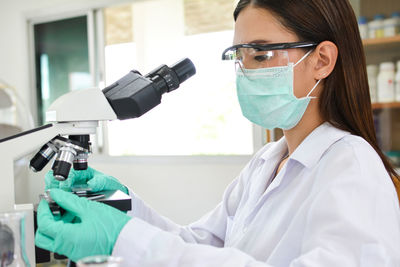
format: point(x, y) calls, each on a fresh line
point(310, 151)
point(264, 187)
point(272, 159)
point(307, 154)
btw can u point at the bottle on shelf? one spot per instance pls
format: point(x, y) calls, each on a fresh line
point(363, 27)
point(392, 25)
point(375, 27)
point(397, 82)
point(372, 71)
point(386, 82)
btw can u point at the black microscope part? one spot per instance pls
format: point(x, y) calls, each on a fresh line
point(80, 140)
point(80, 166)
point(61, 169)
point(41, 158)
point(38, 162)
point(184, 69)
point(134, 94)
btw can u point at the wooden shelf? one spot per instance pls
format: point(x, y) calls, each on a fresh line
point(382, 43)
point(377, 106)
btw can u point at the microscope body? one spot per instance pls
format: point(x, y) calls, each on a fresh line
point(72, 118)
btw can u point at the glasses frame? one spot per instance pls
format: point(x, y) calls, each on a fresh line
point(268, 47)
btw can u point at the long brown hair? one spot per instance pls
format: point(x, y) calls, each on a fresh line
point(345, 101)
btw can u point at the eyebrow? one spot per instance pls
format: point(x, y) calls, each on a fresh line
point(259, 41)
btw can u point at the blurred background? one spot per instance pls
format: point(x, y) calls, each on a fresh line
point(180, 156)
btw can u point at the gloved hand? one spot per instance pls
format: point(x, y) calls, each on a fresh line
point(94, 231)
point(96, 180)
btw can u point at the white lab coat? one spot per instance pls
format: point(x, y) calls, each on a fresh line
point(332, 205)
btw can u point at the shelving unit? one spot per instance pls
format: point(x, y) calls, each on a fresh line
point(390, 105)
point(382, 41)
point(382, 48)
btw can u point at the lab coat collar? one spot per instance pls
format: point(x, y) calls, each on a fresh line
point(311, 149)
point(278, 149)
point(309, 152)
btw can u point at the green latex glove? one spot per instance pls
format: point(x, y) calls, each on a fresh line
point(94, 230)
point(90, 177)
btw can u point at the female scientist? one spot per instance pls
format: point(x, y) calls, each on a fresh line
point(320, 196)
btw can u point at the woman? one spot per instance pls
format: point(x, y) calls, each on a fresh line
point(320, 196)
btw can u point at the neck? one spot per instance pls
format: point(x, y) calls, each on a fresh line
point(311, 120)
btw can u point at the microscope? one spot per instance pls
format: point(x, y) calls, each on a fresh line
point(72, 119)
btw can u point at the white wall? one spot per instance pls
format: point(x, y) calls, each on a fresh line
point(180, 188)
point(182, 191)
point(356, 6)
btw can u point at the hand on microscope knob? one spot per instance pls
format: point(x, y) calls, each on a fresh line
point(93, 179)
point(93, 230)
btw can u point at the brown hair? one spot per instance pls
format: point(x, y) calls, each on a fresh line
point(345, 101)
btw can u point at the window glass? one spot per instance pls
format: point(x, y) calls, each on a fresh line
point(62, 60)
point(202, 117)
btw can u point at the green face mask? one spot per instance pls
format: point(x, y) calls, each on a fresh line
point(266, 96)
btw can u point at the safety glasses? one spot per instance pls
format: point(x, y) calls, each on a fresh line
point(254, 56)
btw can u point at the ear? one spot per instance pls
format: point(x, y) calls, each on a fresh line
point(325, 56)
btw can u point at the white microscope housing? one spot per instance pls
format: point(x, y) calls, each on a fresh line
point(79, 113)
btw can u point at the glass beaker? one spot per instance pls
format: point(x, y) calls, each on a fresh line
point(12, 240)
point(100, 261)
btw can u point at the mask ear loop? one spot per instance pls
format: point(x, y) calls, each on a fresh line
point(315, 86)
point(301, 59)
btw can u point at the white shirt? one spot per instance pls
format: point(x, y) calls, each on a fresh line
point(332, 205)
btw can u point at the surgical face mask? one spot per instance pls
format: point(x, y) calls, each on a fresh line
point(266, 96)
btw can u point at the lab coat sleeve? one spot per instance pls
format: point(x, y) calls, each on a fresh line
point(346, 226)
point(141, 244)
point(210, 229)
point(149, 239)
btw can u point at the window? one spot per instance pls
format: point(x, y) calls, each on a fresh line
point(62, 59)
point(202, 117)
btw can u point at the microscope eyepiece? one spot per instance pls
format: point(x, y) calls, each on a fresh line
point(184, 69)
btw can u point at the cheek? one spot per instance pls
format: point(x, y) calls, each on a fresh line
point(303, 82)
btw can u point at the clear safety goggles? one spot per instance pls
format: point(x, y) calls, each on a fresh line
point(257, 56)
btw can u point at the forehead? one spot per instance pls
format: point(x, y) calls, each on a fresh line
point(260, 25)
